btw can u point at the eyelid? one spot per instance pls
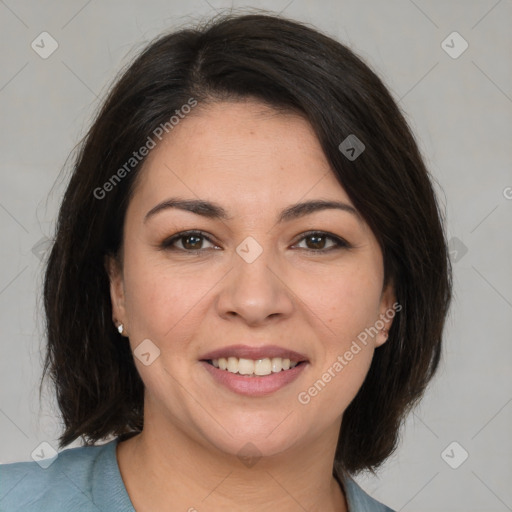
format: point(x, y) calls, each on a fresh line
point(339, 242)
point(167, 244)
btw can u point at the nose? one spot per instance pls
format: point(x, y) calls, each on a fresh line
point(255, 292)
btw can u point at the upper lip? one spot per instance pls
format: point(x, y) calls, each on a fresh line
point(250, 352)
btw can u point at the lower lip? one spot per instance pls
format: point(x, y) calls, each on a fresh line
point(259, 385)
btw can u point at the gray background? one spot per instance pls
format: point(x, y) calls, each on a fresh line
point(460, 109)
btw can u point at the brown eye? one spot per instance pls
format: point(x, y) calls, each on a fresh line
point(191, 241)
point(317, 242)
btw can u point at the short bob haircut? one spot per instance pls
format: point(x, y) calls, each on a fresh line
point(288, 66)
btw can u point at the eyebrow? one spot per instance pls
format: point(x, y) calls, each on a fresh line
point(215, 211)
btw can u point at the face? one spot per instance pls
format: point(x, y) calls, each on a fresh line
point(252, 284)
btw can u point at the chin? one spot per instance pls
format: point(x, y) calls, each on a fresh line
point(254, 443)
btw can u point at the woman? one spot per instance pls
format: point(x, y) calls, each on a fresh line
point(248, 284)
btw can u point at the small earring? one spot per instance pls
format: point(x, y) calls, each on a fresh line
point(120, 328)
point(384, 332)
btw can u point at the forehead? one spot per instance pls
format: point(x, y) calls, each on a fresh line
point(239, 151)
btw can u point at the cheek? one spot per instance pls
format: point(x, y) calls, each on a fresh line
point(344, 376)
point(346, 350)
point(348, 302)
point(348, 305)
point(162, 302)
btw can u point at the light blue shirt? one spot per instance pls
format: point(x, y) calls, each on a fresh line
point(87, 479)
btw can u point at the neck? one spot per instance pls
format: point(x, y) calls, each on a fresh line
point(164, 465)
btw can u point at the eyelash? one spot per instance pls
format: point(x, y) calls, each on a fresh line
point(339, 242)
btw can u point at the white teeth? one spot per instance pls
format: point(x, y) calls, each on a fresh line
point(253, 366)
point(232, 364)
point(245, 366)
point(263, 367)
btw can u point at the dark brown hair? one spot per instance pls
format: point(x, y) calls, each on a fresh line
point(286, 65)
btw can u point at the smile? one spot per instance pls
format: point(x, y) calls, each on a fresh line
point(253, 367)
point(251, 384)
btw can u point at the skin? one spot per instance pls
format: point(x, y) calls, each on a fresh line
point(254, 162)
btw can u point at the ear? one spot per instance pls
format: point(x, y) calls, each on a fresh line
point(117, 297)
point(387, 311)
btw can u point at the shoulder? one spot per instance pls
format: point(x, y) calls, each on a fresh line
point(358, 500)
point(64, 483)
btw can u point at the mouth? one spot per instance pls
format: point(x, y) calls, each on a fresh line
point(254, 371)
point(254, 367)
